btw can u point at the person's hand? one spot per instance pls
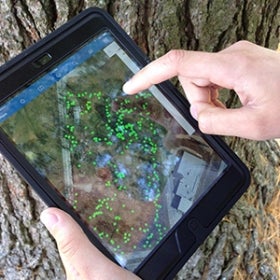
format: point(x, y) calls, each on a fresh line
point(253, 72)
point(82, 261)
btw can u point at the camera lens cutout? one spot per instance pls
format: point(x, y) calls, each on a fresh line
point(43, 60)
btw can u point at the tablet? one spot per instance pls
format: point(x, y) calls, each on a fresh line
point(135, 172)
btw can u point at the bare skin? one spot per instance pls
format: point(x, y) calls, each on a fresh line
point(82, 261)
point(251, 71)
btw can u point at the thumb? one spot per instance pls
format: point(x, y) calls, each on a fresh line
point(216, 120)
point(80, 258)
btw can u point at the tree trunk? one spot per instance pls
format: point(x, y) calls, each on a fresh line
point(245, 245)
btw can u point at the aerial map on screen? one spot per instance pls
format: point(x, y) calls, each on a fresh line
point(129, 166)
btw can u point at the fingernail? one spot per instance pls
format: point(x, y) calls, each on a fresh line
point(126, 86)
point(193, 111)
point(48, 219)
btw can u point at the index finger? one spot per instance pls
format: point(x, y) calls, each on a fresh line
point(188, 64)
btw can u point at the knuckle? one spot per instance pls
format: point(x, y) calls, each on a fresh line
point(243, 44)
point(239, 47)
point(175, 57)
point(241, 54)
point(68, 247)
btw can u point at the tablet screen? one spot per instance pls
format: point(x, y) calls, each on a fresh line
point(131, 166)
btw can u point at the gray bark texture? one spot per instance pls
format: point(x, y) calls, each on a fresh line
point(246, 244)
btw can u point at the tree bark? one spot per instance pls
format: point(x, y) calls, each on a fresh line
point(245, 245)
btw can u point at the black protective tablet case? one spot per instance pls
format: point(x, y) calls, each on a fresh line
point(182, 241)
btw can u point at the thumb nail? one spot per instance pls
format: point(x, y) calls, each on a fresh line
point(48, 219)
